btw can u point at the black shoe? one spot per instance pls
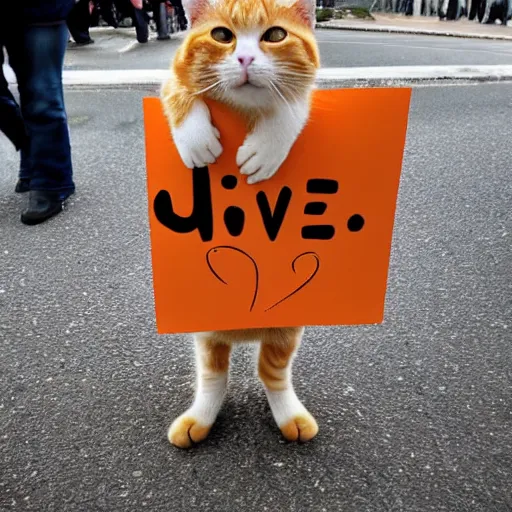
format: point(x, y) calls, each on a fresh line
point(22, 186)
point(182, 22)
point(85, 42)
point(42, 204)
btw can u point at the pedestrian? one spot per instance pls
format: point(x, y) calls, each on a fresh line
point(159, 8)
point(79, 22)
point(35, 37)
point(108, 11)
point(140, 20)
point(180, 12)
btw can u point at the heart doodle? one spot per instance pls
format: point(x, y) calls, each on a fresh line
point(214, 250)
point(304, 283)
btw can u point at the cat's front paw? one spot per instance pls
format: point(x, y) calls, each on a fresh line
point(260, 156)
point(196, 139)
point(186, 431)
point(300, 428)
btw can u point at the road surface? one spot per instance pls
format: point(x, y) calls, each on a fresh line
point(119, 50)
point(415, 414)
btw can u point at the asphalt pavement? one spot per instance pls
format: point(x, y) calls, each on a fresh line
point(119, 50)
point(415, 414)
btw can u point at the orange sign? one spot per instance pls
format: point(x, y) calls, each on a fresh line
point(310, 246)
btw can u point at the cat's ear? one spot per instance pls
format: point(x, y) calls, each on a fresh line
point(307, 11)
point(194, 9)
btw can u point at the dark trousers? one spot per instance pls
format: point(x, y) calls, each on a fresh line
point(107, 12)
point(180, 12)
point(36, 54)
point(79, 21)
point(160, 16)
point(140, 21)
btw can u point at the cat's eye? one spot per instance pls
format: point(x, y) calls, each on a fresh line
point(274, 35)
point(222, 35)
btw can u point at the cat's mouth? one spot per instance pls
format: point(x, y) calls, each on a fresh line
point(247, 84)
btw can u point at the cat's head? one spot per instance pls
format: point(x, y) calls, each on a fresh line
point(250, 52)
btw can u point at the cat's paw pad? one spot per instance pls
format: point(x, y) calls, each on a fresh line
point(260, 159)
point(185, 431)
point(196, 139)
point(300, 428)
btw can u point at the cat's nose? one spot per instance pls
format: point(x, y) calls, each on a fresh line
point(245, 60)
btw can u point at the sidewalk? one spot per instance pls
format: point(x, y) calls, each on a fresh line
point(430, 25)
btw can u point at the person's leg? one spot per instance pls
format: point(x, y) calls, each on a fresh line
point(140, 20)
point(182, 18)
point(107, 12)
point(38, 63)
point(23, 184)
point(79, 21)
point(160, 16)
point(164, 21)
point(11, 123)
point(38, 68)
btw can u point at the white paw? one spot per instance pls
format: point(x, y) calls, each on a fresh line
point(293, 419)
point(196, 139)
point(261, 155)
point(187, 430)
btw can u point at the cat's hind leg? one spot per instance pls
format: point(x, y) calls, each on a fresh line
point(212, 365)
point(278, 348)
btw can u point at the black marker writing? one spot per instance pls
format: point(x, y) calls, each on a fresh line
point(322, 231)
point(273, 220)
point(201, 217)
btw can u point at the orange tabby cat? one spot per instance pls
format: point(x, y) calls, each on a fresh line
point(260, 57)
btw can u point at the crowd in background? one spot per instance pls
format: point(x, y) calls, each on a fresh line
point(90, 13)
point(34, 36)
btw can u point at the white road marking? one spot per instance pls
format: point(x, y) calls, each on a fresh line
point(326, 76)
point(480, 72)
point(128, 47)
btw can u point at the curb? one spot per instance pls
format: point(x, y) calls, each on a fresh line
point(416, 31)
point(395, 76)
point(328, 78)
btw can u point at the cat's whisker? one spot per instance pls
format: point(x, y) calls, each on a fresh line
point(300, 76)
point(296, 72)
point(275, 97)
point(210, 87)
point(295, 67)
point(282, 97)
point(285, 85)
point(296, 80)
point(290, 84)
point(275, 88)
point(296, 84)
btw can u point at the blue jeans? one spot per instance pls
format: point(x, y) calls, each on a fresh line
point(36, 54)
